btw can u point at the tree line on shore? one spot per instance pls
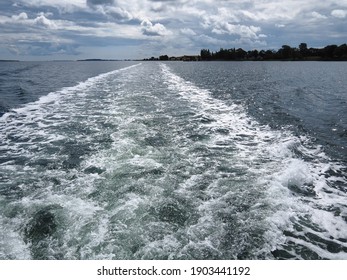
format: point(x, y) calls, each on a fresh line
point(302, 52)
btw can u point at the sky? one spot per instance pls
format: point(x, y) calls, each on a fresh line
point(136, 29)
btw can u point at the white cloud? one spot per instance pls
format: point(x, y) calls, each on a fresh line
point(317, 15)
point(205, 39)
point(178, 24)
point(112, 30)
point(69, 6)
point(187, 31)
point(21, 16)
point(243, 31)
point(23, 20)
point(339, 13)
point(41, 20)
point(150, 29)
point(119, 13)
point(228, 22)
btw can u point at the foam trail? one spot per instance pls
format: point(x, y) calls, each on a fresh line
point(42, 145)
point(139, 163)
point(304, 203)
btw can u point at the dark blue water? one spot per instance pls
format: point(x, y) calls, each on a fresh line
point(24, 82)
point(310, 97)
point(211, 160)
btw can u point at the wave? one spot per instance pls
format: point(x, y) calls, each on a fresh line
point(42, 145)
point(305, 189)
point(139, 163)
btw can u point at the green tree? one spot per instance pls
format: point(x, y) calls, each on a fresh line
point(286, 52)
point(341, 51)
point(163, 57)
point(205, 54)
point(303, 50)
point(328, 51)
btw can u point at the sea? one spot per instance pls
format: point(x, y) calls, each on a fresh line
point(173, 160)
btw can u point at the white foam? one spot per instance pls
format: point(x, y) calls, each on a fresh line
point(12, 245)
point(36, 132)
point(113, 200)
point(270, 155)
point(53, 97)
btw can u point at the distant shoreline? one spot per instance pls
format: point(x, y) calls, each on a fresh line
point(285, 53)
point(99, 59)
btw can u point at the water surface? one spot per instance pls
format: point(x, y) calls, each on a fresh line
point(128, 160)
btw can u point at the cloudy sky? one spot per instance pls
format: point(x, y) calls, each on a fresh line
point(74, 29)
